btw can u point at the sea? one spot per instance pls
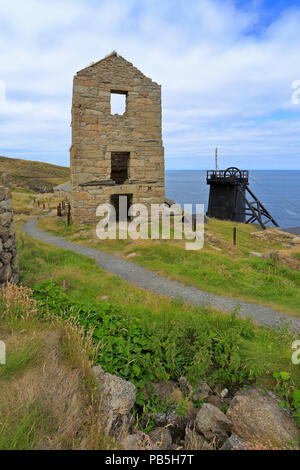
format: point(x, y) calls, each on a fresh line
point(277, 190)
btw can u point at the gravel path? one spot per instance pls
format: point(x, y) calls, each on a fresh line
point(149, 280)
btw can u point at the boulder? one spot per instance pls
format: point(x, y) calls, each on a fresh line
point(7, 245)
point(235, 443)
point(203, 391)
point(5, 273)
point(167, 419)
point(166, 391)
point(5, 218)
point(214, 400)
point(119, 426)
point(118, 396)
point(257, 418)
point(213, 424)
point(6, 257)
point(138, 441)
point(160, 419)
point(174, 422)
point(6, 204)
point(5, 233)
point(161, 437)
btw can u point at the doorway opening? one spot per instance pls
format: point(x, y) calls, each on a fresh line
point(121, 203)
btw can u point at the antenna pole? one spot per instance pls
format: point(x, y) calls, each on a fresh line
point(216, 159)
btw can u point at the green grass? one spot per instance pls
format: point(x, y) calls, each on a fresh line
point(31, 174)
point(19, 358)
point(20, 430)
point(136, 334)
point(22, 203)
point(48, 394)
point(144, 337)
point(249, 279)
point(230, 271)
point(26, 191)
point(129, 313)
point(245, 242)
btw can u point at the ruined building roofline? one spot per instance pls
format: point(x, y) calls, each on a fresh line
point(112, 54)
point(116, 55)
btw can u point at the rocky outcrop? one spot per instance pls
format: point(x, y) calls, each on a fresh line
point(214, 400)
point(272, 234)
point(235, 443)
point(253, 420)
point(213, 424)
point(9, 271)
point(257, 418)
point(117, 398)
point(203, 391)
point(173, 421)
point(138, 441)
point(167, 391)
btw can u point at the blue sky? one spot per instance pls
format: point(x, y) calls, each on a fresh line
point(226, 68)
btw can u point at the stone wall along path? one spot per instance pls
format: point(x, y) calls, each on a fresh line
point(9, 271)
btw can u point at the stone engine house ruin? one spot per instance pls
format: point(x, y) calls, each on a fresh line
point(115, 154)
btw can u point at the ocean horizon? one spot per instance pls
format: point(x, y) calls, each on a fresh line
point(278, 191)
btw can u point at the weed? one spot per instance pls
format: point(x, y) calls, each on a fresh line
point(290, 394)
point(182, 408)
point(143, 351)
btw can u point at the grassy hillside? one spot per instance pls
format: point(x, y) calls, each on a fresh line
point(35, 176)
point(219, 268)
point(52, 410)
point(133, 333)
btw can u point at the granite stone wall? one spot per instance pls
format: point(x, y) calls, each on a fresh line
point(99, 138)
point(9, 271)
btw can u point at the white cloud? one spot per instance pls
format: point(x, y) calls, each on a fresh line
point(226, 81)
